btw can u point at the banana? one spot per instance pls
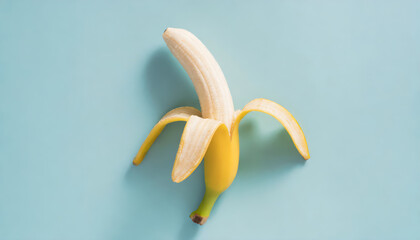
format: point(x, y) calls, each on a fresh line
point(211, 134)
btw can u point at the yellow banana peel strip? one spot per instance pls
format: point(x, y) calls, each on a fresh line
point(283, 116)
point(175, 115)
point(195, 140)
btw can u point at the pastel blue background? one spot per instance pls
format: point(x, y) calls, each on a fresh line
point(83, 82)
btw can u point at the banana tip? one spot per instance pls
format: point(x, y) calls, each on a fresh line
point(198, 219)
point(136, 162)
point(177, 179)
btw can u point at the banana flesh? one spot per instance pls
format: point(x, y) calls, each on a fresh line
point(208, 79)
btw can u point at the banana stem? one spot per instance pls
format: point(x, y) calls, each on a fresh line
point(200, 215)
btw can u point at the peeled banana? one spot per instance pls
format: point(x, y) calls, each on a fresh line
point(211, 134)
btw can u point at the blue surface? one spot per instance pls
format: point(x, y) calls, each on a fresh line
point(83, 82)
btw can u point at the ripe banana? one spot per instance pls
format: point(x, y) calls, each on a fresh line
point(211, 134)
